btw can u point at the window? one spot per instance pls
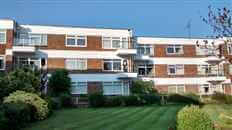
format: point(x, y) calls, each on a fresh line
point(145, 50)
point(34, 62)
point(77, 41)
point(2, 63)
point(210, 70)
point(29, 39)
point(229, 48)
point(175, 69)
point(116, 88)
point(79, 88)
point(2, 36)
point(76, 64)
point(176, 89)
point(112, 65)
point(145, 70)
point(230, 69)
point(114, 42)
point(174, 49)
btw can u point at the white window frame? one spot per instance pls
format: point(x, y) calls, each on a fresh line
point(145, 46)
point(175, 67)
point(76, 37)
point(111, 42)
point(75, 87)
point(176, 86)
point(113, 88)
point(174, 48)
point(4, 32)
point(76, 63)
point(4, 62)
point(112, 61)
point(145, 66)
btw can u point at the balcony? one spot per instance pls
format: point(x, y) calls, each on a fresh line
point(24, 45)
point(142, 57)
point(127, 75)
point(126, 51)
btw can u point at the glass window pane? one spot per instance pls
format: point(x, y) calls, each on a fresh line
point(1, 63)
point(116, 42)
point(71, 64)
point(81, 41)
point(117, 65)
point(108, 66)
point(70, 41)
point(2, 37)
point(124, 43)
point(170, 49)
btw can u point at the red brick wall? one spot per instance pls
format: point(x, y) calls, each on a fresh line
point(58, 42)
point(189, 51)
point(190, 70)
point(55, 63)
point(94, 65)
point(191, 89)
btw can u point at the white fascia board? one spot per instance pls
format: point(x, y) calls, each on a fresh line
point(93, 77)
point(6, 24)
point(40, 29)
point(78, 54)
point(185, 61)
point(173, 81)
point(175, 41)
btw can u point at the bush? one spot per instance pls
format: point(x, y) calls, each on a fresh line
point(150, 99)
point(20, 79)
point(222, 98)
point(187, 99)
point(193, 118)
point(114, 101)
point(65, 99)
point(16, 116)
point(142, 87)
point(97, 100)
point(133, 100)
point(59, 82)
point(41, 106)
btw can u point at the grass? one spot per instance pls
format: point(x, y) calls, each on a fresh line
point(120, 118)
point(221, 114)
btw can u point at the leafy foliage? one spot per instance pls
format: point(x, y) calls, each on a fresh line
point(187, 99)
point(60, 82)
point(222, 98)
point(193, 118)
point(20, 79)
point(41, 106)
point(97, 99)
point(15, 116)
point(142, 87)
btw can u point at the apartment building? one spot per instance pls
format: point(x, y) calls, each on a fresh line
point(179, 65)
point(106, 59)
point(98, 59)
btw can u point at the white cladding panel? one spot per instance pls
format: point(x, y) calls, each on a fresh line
point(77, 31)
point(6, 24)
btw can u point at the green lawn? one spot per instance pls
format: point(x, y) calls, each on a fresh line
point(121, 118)
point(221, 114)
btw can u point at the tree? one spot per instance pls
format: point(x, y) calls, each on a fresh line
point(219, 21)
point(60, 82)
point(19, 79)
point(142, 87)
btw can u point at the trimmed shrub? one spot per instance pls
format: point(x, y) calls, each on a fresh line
point(150, 99)
point(16, 116)
point(133, 100)
point(177, 98)
point(19, 79)
point(222, 98)
point(193, 118)
point(65, 99)
point(97, 100)
point(142, 87)
point(41, 106)
point(60, 82)
point(114, 101)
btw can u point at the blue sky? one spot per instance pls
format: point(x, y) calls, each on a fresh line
point(164, 18)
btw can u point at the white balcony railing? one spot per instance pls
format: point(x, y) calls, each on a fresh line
point(28, 42)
